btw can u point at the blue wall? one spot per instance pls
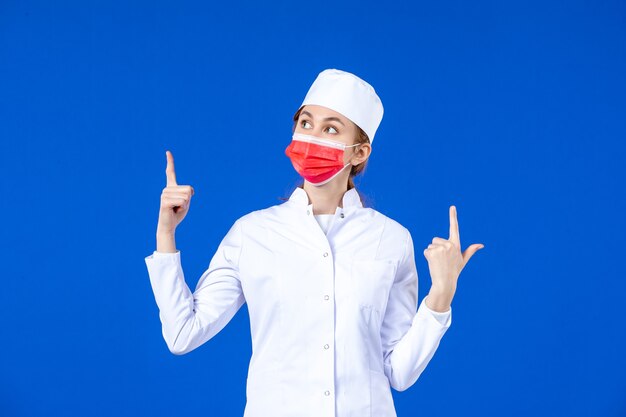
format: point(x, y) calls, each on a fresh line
point(515, 113)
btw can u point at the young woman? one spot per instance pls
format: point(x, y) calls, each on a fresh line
point(331, 285)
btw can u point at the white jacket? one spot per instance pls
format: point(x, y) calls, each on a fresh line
point(333, 316)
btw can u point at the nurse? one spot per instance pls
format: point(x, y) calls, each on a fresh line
point(331, 285)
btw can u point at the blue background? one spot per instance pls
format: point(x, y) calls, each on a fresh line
point(514, 112)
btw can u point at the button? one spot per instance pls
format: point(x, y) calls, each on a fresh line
point(341, 214)
point(326, 346)
point(308, 212)
point(326, 297)
point(325, 254)
point(326, 392)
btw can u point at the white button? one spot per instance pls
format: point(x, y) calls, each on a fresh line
point(326, 297)
point(326, 346)
point(308, 212)
point(327, 393)
point(325, 254)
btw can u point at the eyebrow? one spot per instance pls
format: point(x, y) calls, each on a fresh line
point(326, 119)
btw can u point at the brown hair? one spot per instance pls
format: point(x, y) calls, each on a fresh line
point(355, 170)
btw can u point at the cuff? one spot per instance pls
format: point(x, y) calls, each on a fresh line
point(164, 255)
point(443, 317)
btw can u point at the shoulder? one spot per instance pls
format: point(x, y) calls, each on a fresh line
point(262, 216)
point(391, 226)
point(393, 238)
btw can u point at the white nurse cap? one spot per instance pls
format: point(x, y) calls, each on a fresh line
point(349, 95)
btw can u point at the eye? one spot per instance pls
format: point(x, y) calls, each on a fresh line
point(302, 123)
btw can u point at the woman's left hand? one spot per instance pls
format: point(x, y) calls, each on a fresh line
point(445, 262)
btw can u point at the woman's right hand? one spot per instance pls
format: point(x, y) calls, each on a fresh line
point(175, 200)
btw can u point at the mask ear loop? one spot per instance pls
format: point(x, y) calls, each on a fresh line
point(349, 146)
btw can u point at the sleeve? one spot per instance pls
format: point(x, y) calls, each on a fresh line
point(409, 339)
point(189, 320)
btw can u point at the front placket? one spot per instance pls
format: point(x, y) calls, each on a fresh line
point(327, 317)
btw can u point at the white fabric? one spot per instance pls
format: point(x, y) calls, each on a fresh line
point(324, 220)
point(349, 95)
point(333, 317)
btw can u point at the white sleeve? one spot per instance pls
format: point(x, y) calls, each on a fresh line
point(189, 320)
point(409, 339)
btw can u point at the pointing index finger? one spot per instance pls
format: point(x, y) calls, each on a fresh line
point(454, 227)
point(169, 170)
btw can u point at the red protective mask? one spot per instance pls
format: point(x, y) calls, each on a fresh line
point(317, 160)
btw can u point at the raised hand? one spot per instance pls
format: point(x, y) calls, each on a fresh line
point(175, 200)
point(445, 262)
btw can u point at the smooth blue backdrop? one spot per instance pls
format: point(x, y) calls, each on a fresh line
point(513, 111)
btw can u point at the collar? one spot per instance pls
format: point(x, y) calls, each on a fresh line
point(350, 199)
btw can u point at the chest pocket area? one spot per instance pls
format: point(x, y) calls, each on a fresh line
point(371, 281)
